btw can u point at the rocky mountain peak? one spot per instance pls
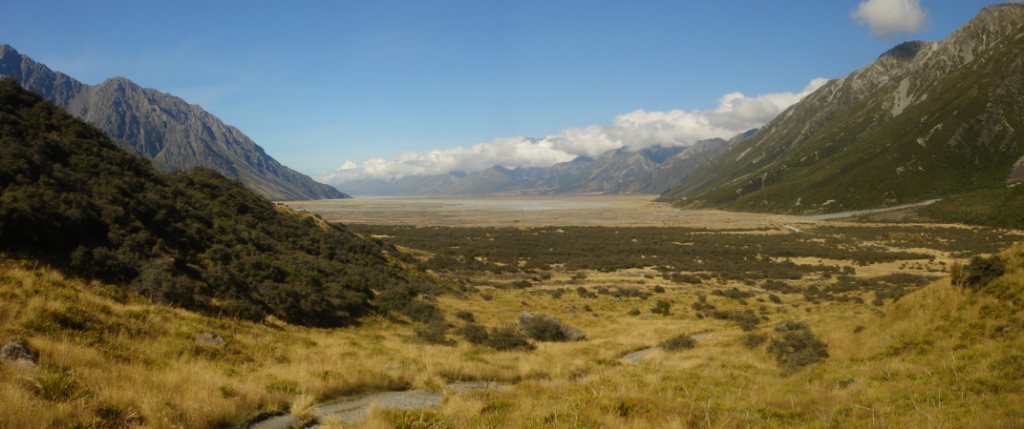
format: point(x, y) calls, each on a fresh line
point(905, 51)
point(172, 133)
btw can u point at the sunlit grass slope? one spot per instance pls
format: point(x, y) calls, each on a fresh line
point(937, 357)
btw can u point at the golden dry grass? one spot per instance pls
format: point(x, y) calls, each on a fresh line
point(938, 357)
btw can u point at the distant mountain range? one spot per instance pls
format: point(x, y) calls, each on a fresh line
point(926, 120)
point(175, 135)
point(652, 170)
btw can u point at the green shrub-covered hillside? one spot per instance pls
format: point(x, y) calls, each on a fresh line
point(70, 197)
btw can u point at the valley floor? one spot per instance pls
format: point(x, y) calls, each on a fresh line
point(523, 211)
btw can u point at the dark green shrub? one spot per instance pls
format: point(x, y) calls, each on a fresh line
point(522, 284)
point(745, 318)
point(662, 307)
point(795, 346)
point(754, 340)
point(405, 300)
point(543, 329)
point(732, 293)
point(584, 293)
point(679, 342)
point(977, 273)
point(473, 333)
point(508, 338)
point(465, 315)
point(434, 333)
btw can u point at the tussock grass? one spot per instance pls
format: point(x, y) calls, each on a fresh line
point(936, 357)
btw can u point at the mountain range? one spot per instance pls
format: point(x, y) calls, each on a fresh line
point(174, 134)
point(651, 170)
point(925, 120)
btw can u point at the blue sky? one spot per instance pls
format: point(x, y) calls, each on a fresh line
point(325, 82)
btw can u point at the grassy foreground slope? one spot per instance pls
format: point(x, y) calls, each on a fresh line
point(71, 197)
point(937, 357)
point(112, 360)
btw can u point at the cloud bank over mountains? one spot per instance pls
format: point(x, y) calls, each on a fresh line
point(887, 17)
point(635, 130)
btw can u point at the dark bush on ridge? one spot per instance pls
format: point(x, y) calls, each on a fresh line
point(679, 342)
point(745, 318)
point(754, 340)
point(434, 333)
point(662, 307)
point(508, 338)
point(543, 329)
point(474, 333)
point(795, 346)
point(977, 273)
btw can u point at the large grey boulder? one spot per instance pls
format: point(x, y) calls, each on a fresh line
point(1017, 173)
point(210, 339)
point(19, 353)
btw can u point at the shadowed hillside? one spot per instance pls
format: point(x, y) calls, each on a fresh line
point(70, 196)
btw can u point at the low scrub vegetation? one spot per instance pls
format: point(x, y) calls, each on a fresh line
point(705, 255)
point(679, 342)
point(978, 272)
point(543, 329)
point(502, 338)
point(795, 346)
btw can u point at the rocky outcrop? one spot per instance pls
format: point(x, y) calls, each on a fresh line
point(174, 134)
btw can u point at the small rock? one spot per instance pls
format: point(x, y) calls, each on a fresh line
point(19, 353)
point(210, 339)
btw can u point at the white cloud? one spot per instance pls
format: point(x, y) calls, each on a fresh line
point(635, 130)
point(886, 17)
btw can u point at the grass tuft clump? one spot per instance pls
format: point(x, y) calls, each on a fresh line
point(58, 385)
